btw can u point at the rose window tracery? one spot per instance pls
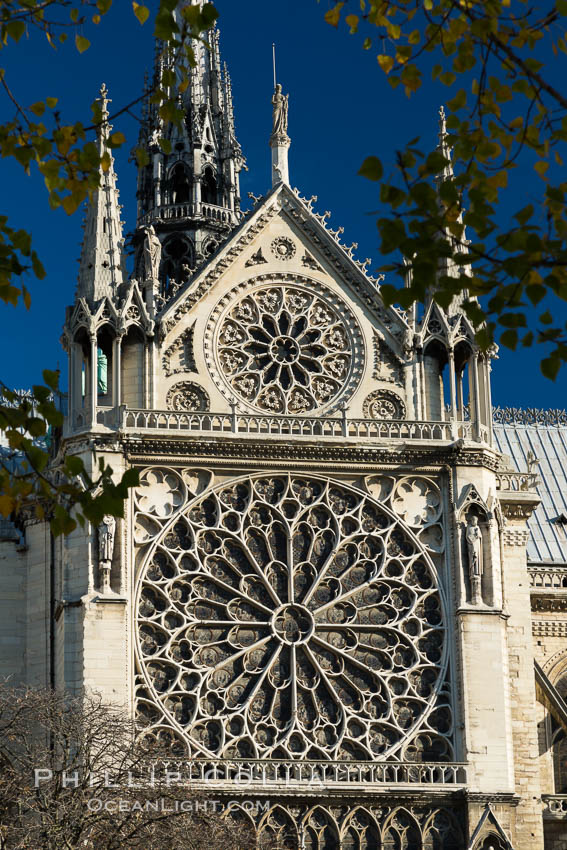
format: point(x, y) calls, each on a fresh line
point(280, 617)
point(286, 348)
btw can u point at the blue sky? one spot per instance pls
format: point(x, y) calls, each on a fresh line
point(341, 110)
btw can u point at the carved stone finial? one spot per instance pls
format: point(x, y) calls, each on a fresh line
point(104, 100)
point(442, 121)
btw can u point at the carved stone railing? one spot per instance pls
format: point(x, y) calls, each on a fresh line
point(548, 578)
point(166, 212)
point(216, 213)
point(555, 806)
point(284, 426)
point(528, 416)
point(281, 774)
point(516, 481)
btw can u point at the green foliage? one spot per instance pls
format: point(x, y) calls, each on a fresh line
point(504, 108)
point(70, 160)
point(64, 492)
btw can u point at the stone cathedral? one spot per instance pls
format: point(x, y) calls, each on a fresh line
point(340, 590)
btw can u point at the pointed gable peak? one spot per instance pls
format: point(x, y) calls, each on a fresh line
point(101, 269)
point(302, 244)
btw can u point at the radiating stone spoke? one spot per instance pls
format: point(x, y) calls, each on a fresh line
point(288, 348)
point(329, 635)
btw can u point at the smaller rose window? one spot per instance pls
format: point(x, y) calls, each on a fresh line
point(284, 349)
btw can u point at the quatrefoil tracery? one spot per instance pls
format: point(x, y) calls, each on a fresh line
point(280, 617)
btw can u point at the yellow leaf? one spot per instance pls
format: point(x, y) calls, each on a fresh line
point(352, 21)
point(105, 161)
point(27, 297)
point(141, 12)
point(541, 167)
point(82, 43)
point(6, 505)
point(333, 16)
point(69, 204)
point(386, 63)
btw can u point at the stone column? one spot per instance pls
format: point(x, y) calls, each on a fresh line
point(93, 377)
point(77, 400)
point(475, 399)
point(453, 388)
point(117, 371)
point(280, 167)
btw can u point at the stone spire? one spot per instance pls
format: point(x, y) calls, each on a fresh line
point(191, 194)
point(101, 268)
point(449, 265)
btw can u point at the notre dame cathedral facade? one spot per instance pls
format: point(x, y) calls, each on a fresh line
point(323, 593)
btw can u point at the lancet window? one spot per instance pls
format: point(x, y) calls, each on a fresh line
point(179, 184)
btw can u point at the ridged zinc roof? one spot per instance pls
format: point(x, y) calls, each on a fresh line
point(541, 434)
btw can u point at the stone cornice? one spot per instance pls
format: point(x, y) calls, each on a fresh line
point(518, 505)
point(279, 453)
point(549, 603)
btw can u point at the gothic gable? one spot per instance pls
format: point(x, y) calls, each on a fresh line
point(286, 321)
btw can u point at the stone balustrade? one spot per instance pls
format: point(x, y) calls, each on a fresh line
point(282, 426)
point(516, 481)
point(555, 806)
point(213, 212)
point(281, 774)
point(548, 578)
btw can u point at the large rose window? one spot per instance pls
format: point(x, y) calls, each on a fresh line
point(284, 618)
point(285, 347)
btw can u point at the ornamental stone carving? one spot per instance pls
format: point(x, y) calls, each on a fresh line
point(285, 348)
point(417, 501)
point(283, 248)
point(354, 827)
point(383, 404)
point(473, 537)
point(187, 396)
point(386, 365)
point(285, 617)
point(106, 535)
point(179, 356)
point(151, 253)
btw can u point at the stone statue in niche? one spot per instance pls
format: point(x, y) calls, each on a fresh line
point(106, 535)
point(152, 253)
point(280, 104)
point(473, 536)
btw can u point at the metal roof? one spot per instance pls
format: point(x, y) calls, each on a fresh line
point(525, 435)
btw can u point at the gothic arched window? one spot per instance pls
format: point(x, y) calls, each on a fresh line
point(209, 187)
point(180, 187)
point(321, 832)
point(360, 832)
point(559, 745)
point(177, 261)
point(442, 833)
point(278, 831)
point(402, 833)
